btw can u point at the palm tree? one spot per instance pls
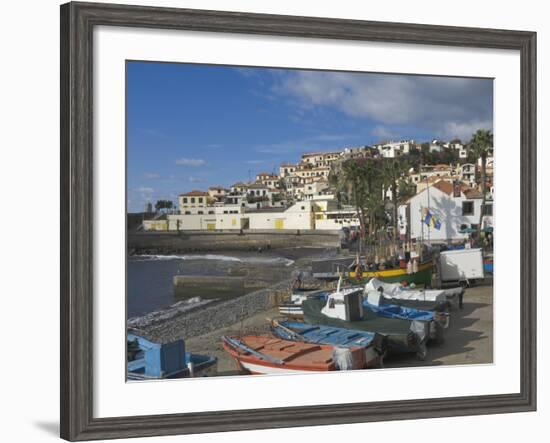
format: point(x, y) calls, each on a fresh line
point(363, 179)
point(392, 171)
point(481, 145)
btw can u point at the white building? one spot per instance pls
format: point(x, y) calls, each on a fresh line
point(467, 173)
point(287, 169)
point(219, 217)
point(267, 179)
point(194, 202)
point(304, 215)
point(357, 152)
point(436, 146)
point(457, 207)
point(217, 193)
point(320, 159)
point(394, 149)
point(430, 171)
point(316, 189)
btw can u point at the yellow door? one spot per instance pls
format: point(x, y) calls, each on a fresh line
point(211, 226)
point(279, 223)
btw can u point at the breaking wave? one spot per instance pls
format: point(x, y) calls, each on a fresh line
point(228, 258)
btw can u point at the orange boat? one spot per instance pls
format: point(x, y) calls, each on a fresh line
point(266, 354)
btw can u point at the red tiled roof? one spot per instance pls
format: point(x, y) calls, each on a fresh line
point(447, 188)
point(472, 193)
point(195, 193)
point(444, 186)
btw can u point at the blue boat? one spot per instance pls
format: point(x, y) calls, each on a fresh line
point(374, 344)
point(438, 321)
point(396, 311)
point(147, 360)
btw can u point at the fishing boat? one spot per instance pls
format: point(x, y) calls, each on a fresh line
point(267, 354)
point(344, 309)
point(332, 269)
point(293, 307)
point(421, 275)
point(434, 322)
point(372, 343)
point(147, 360)
point(430, 299)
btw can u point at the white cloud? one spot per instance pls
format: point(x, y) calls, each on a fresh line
point(436, 104)
point(145, 190)
point(384, 133)
point(194, 162)
point(151, 175)
point(464, 131)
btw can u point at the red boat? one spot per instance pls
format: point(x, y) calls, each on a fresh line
point(266, 354)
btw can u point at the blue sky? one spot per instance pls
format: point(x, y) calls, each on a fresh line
point(192, 126)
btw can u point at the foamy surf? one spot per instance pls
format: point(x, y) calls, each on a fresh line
point(216, 257)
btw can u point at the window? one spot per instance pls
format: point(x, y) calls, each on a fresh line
point(225, 212)
point(467, 208)
point(187, 212)
point(488, 210)
point(184, 199)
point(303, 208)
point(192, 199)
point(211, 212)
point(200, 199)
point(200, 212)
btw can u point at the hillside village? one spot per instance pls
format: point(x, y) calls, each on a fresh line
point(439, 181)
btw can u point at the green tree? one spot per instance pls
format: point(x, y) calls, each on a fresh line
point(163, 204)
point(363, 179)
point(481, 146)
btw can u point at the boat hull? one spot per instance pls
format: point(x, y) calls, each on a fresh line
point(373, 344)
point(272, 355)
point(400, 337)
point(423, 276)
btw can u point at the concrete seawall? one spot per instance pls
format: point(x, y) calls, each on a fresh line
point(206, 241)
point(217, 315)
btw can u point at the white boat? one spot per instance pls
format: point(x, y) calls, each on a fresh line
point(293, 307)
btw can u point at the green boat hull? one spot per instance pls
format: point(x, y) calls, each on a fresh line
point(400, 338)
point(422, 277)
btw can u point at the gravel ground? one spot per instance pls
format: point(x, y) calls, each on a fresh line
point(468, 340)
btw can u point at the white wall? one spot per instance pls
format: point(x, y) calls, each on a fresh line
point(30, 96)
point(447, 209)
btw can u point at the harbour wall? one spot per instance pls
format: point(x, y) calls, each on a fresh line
point(208, 241)
point(215, 315)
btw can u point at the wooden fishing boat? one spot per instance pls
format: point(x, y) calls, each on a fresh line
point(397, 275)
point(267, 354)
point(372, 343)
point(147, 360)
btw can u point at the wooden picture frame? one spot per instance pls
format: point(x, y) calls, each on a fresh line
point(77, 23)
